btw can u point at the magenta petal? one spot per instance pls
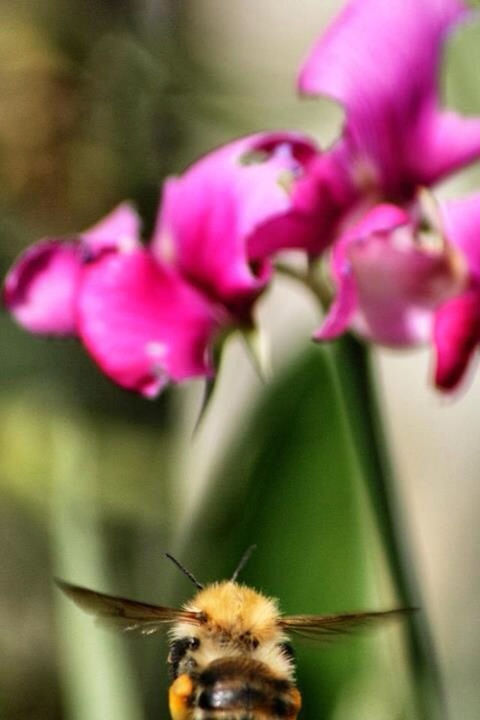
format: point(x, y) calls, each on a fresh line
point(321, 197)
point(381, 61)
point(142, 323)
point(444, 142)
point(120, 229)
point(227, 208)
point(461, 221)
point(456, 335)
point(41, 286)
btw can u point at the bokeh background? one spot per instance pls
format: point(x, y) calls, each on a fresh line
point(100, 100)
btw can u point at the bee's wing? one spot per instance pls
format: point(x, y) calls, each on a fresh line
point(326, 626)
point(125, 614)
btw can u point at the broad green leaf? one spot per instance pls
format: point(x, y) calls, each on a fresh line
point(291, 486)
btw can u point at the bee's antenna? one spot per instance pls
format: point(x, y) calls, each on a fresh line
point(243, 561)
point(184, 570)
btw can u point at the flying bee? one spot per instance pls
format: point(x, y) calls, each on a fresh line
point(230, 654)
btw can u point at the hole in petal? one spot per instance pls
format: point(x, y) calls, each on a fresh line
point(253, 157)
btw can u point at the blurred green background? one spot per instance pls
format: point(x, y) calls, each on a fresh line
point(101, 100)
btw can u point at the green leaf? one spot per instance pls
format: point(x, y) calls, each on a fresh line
point(291, 486)
point(353, 365)
point(95, 669)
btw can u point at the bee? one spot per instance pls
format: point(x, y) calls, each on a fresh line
point(230, 654)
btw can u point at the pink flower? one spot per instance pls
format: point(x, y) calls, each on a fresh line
point(139, 319)
point(456, 331)
point(143, 323)
point(400, 285)
point(40, 289)
point(222, 219)
point(150, 315)
point(381, 61)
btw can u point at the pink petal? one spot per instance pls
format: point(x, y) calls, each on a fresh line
point(381, 60)
point(227, 208)
point(380, 220)
point(321, 198)
point(342, 309)
point(40, 288)
point(456, 335)
point(461, 221)
point(444, 142)
point(119, 229)
point(142, 323)
point(389, 284)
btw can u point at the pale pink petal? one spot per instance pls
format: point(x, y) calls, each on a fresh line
point(40, 288)
point(142, 323)
point(456, 335)
point(120, 229)
point(381, 60)
point(380, 221)
point(217, 218)
point(461, 221)
point(399, 286)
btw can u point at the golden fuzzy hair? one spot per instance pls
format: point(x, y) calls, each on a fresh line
point(238, 621)
point(236, 610)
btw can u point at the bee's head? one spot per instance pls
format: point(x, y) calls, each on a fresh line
point(236, 614)
point(233, 614)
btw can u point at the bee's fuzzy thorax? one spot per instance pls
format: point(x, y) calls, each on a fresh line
point(237, 610)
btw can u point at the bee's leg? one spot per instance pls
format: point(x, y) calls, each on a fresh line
point(295, 702)
point(180, 696)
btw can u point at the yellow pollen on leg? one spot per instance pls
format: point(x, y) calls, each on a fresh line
point(179, 696)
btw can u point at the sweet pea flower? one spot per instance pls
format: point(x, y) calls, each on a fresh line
point(149, 315)
point(40, 290)
point(221, 220)
point(381, 61)
point(457, 321)
point(399, 284)
point(142, 323)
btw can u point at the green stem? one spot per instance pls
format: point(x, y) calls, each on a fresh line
point(310, 278)
point(357, 384)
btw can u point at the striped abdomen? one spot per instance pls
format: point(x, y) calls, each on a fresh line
point(238, 688)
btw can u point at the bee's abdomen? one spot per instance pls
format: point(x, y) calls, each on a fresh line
point(244, 689)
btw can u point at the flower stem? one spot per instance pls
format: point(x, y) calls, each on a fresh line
point(357, 384)
point(310, 278)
